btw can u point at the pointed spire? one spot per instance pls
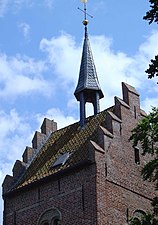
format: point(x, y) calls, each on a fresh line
point(88, 88)
point(88, 79)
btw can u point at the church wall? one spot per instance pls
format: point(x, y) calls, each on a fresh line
point(120, 188)
point(121, 204)
point(74, 195)
point(120, 153)
point(106, 192)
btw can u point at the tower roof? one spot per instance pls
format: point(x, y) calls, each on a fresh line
point(88, 80)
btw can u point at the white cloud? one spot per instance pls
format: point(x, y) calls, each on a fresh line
point(22, 75)
point(14, 136)
point(49, 3)
point(148, 47)
point(15, 6)
point(15, 131)
point(3, 7)
point(148, 103)
point(115, 67)
point(64, 55)
point(25, 29)
point(112, 67)
point(58, 116)
point(99, 6)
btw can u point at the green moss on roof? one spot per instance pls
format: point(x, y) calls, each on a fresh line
point(70, 139)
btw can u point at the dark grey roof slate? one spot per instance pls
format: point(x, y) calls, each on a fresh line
point(88, 79)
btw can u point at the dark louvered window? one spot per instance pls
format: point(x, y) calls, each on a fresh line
point(137, 156)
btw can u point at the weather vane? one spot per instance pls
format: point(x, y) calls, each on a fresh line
point(85, 21)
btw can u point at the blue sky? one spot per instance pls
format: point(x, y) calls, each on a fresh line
point(40, 53)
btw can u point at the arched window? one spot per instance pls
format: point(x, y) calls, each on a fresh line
point(137, 216)
point(139, 213)
point(50, 217)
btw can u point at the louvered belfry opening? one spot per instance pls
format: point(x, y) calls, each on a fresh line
point(88, 88)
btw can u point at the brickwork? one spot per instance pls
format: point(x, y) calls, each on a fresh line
point(106, 191)
point(48, 126)
point(28, 154)
point(120, 190)
point(74, 195)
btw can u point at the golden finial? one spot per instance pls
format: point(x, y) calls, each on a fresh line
point(85, 21)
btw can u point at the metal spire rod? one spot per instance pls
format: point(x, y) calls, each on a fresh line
point(85, 21)
point(85, 12)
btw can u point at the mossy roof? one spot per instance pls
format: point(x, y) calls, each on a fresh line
point(70, 139)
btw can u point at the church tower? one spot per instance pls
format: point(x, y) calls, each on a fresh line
point(87, 176)
point(88, 88)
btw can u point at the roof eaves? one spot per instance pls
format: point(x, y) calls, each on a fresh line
point(54, 176)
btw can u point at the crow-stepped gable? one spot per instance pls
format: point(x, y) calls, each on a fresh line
point(87, 173)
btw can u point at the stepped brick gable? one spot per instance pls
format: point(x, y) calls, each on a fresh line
point(87, 173)
point(81, 175)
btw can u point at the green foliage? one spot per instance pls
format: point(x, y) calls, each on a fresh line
point(152, 16)
point(153, 68)
point(149, 172)
point(147, 219)
point(146, 134)
point(155, 205)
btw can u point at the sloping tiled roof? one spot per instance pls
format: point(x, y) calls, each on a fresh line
point(70, 139)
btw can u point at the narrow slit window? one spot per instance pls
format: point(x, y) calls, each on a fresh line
point(137, 155)
point(127, 214)
point(120, 129)
point(135, 112)
point(106, 170)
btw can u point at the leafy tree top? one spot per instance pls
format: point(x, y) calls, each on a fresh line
point(146, 135)
point(152, 14)
point(146, 132)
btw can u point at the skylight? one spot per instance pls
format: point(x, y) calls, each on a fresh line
point(61, 160)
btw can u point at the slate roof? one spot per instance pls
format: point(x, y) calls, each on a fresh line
point(70, 139)
point(88, 79)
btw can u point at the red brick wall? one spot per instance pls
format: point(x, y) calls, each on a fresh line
point(120, 188)
point(74, 195)
point(104, 193)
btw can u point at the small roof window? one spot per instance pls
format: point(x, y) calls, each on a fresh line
point(61, 160)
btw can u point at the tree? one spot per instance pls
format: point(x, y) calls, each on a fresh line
point(153, 68)
point(152, 16)
point(147, 219)
point(145, 134)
